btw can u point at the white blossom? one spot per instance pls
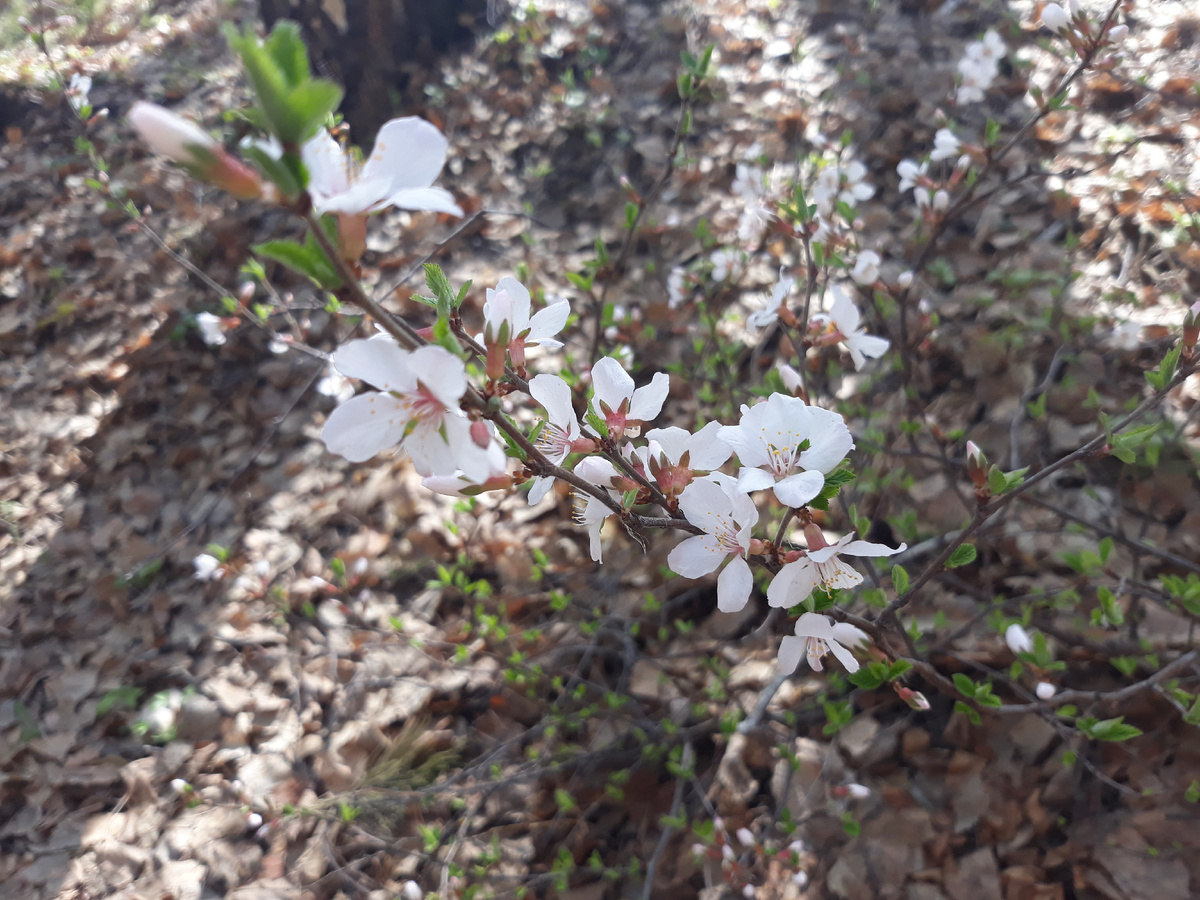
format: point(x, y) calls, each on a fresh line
point(945, 145)
point(416, 406)
point(208, 567)
point(820, 567)
point(211, 328)
point(1055, 17)
point(618, 403)
point(909, 173)
point(845, 318)
point(788, 446)
point(866, 268)
point(760, 319)
point(727, 516)
point(815, 636)
point(407, 157)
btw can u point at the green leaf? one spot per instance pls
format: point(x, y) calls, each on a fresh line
point(965, 685)
point(309, 260)
point(991, 133)
point(962, 555)
point(1107, 729)
point(1192, 794)
point(972, 716)
point(439, 284)
point(287, 51)
point(899, 579)
point(311, 104)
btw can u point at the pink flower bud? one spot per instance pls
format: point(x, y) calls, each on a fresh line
point(170, 135)
point(915, 699)
point(187, 144)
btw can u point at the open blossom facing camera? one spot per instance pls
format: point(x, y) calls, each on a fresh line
point(784, 444)
point(820, 567)
point(415, 406)
point(618, 403)
point(815, 636)
point(680, 453)
point(727, 516)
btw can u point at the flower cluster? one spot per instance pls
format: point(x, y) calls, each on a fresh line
point(979, 67)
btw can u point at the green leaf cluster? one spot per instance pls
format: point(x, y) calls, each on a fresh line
point(292, 105)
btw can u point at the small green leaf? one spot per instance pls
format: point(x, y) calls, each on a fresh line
point(965, 685)
point(962, 555)
point(899, 579)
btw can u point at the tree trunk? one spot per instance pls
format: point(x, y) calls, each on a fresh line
point(368, 46)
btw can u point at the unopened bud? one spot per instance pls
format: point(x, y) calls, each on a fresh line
point(748, 892)
point(977, 465)
point(915, 699)
point(1055, 17)
point(905, 279)
point(1045, 690)
point(189, 145)
point(1118, 33)
point(1191, 328)
point(746, 837)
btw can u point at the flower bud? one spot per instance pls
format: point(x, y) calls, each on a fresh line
point(977, 465)
point(170, 135)
point(1191, 328)
point(187, 144)
point(858, 791)
point(746, 837)
point(1045, 690)
point(1055, 17)
point(1118, 33)
point(905, 279)
point(1018, 639)
point(915, 699)
point(748, 892)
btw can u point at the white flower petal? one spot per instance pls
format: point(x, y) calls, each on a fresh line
point(796, 490)
point(734, 585)
point(408, 152)
point(432, 199)
point(648, 400)
point(791, 651)
point(365, 425)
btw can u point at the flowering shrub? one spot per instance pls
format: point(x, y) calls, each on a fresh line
point(754, 498)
